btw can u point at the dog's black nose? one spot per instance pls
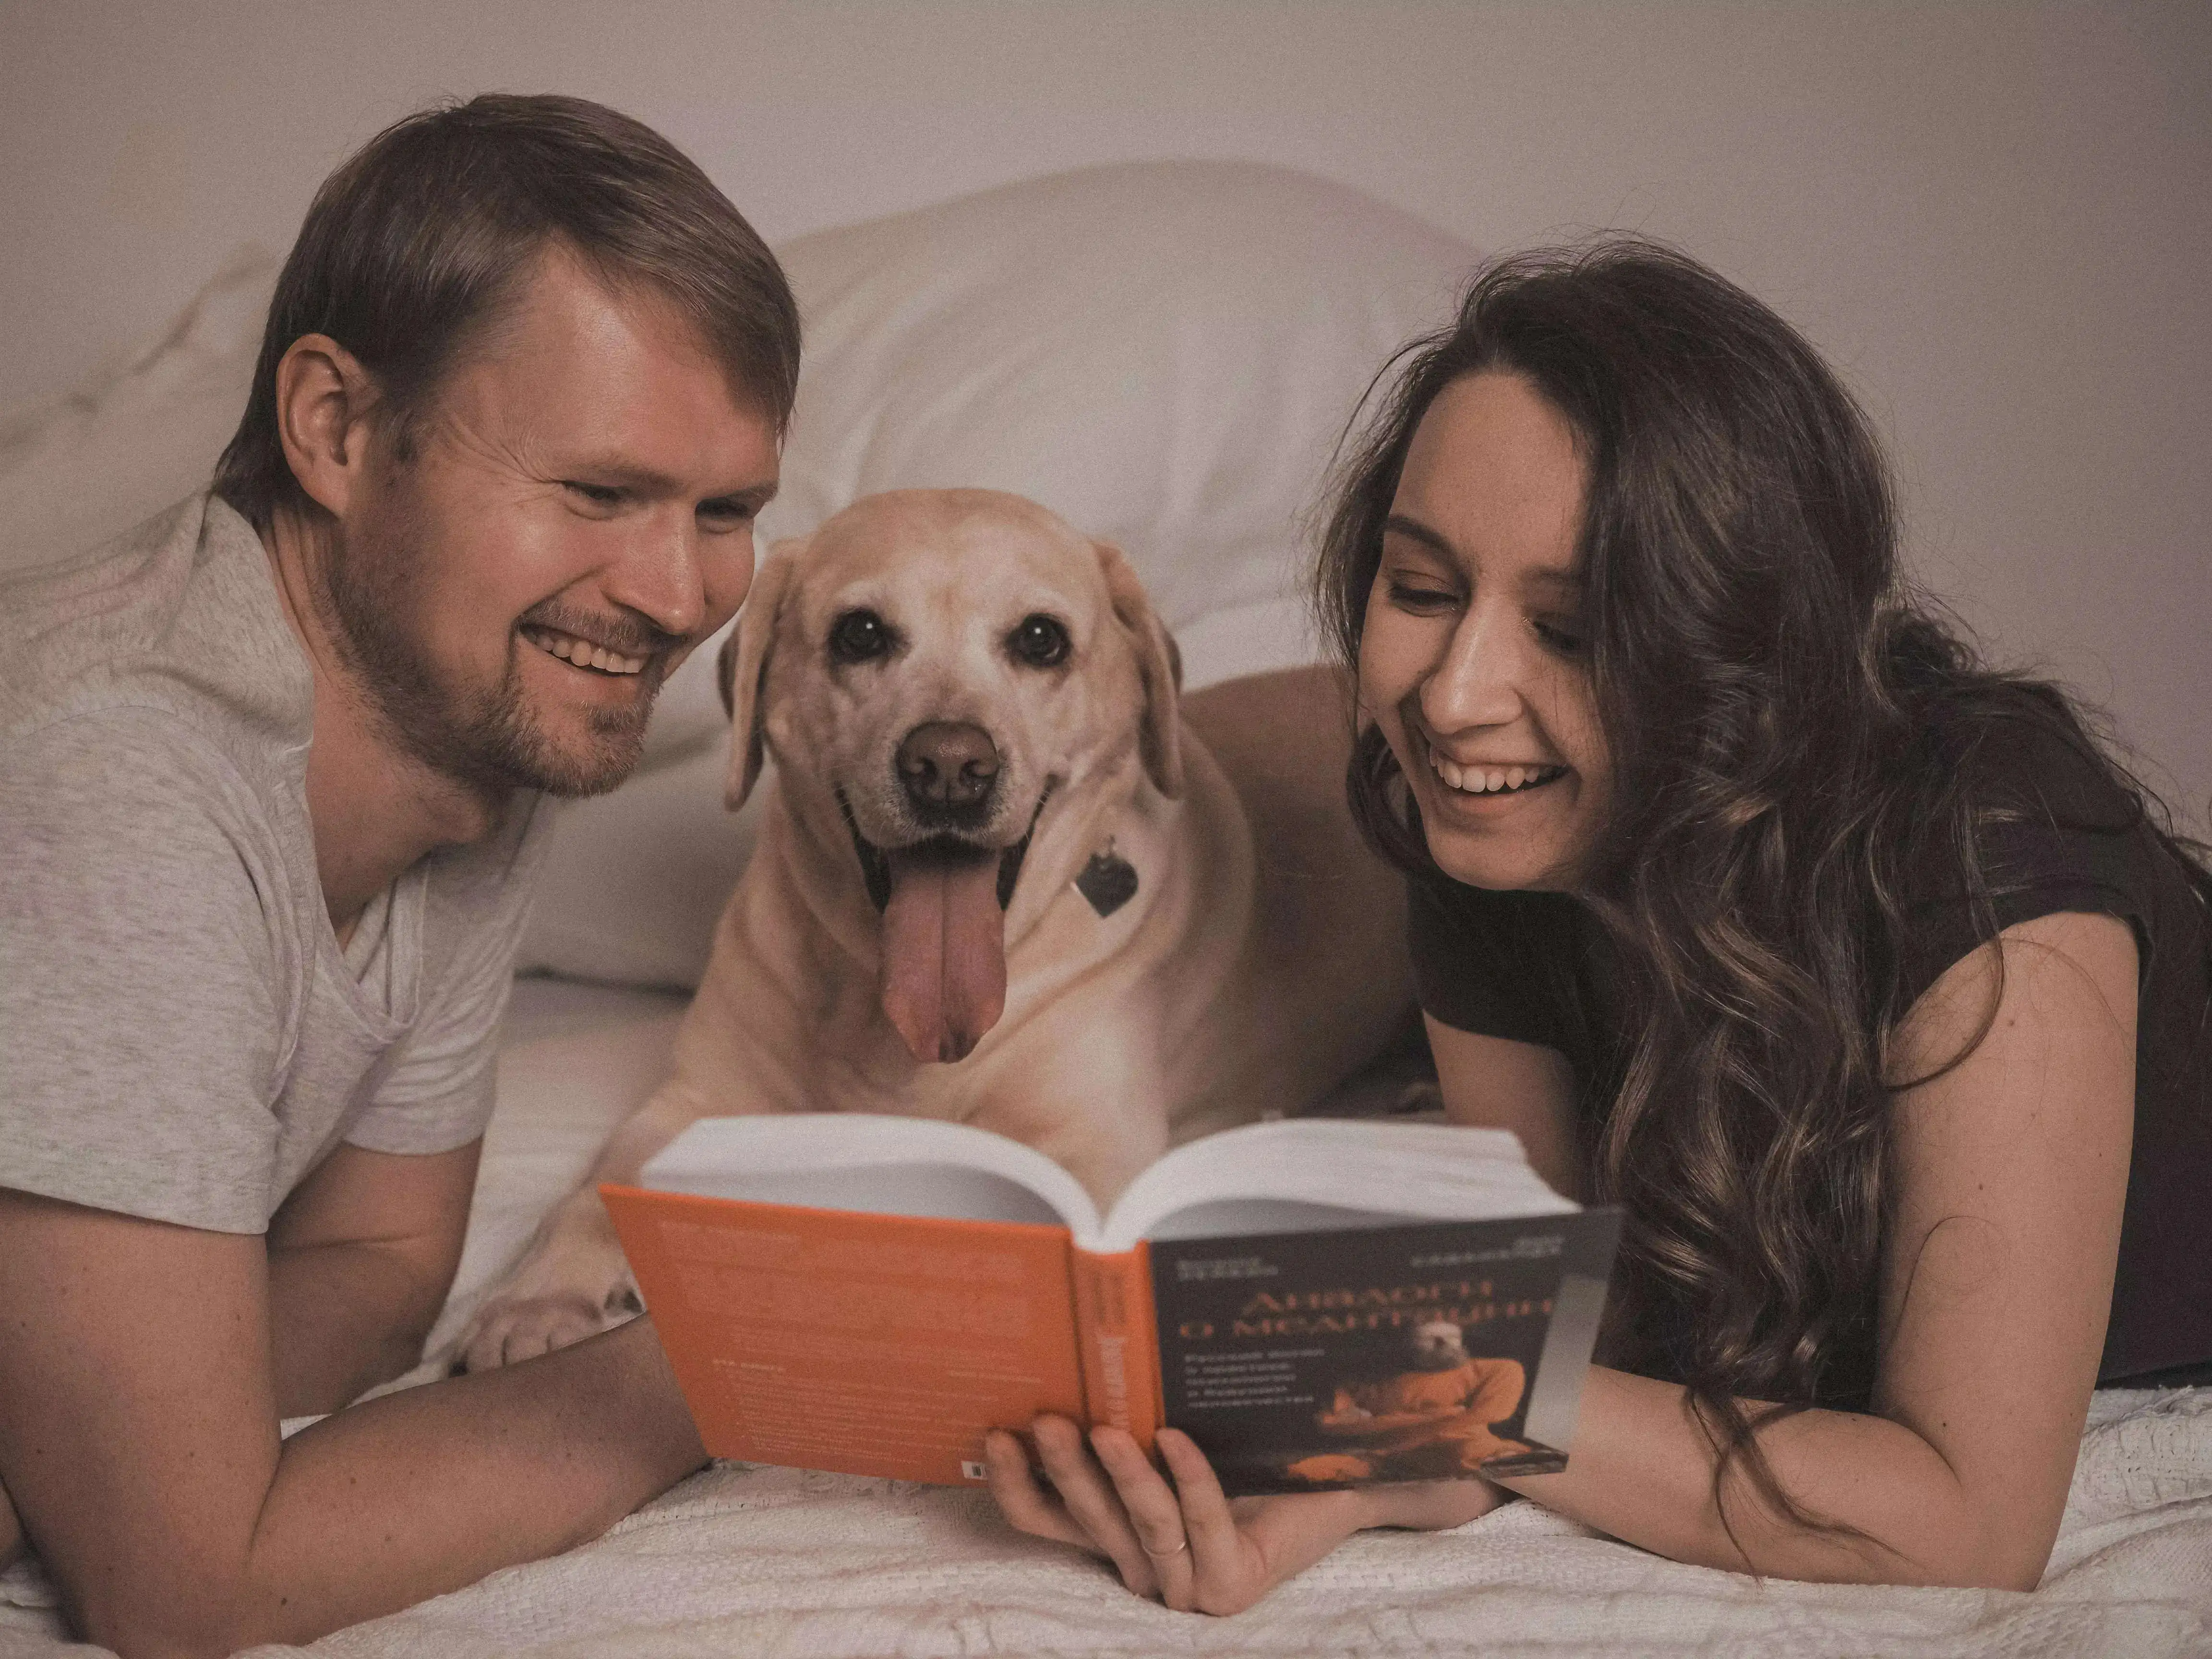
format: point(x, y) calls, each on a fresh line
point(947, 765)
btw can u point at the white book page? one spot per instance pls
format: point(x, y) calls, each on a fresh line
point(874, 1164)
point(1314, 1175)
point(1310, 1175)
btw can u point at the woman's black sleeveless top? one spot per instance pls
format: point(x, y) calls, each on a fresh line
point(1532, 967)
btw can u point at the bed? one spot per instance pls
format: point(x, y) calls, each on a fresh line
point(1166, 354)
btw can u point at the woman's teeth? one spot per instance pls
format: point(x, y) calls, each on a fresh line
point(582, 653)
point(1491, 780)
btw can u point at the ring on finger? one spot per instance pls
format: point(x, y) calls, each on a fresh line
point(1163, 1555)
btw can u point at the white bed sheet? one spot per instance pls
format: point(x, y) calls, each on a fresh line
point(777, 1562)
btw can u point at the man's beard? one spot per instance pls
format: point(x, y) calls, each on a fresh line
point(486, 737)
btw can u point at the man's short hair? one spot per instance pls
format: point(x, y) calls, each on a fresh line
point(423, 238)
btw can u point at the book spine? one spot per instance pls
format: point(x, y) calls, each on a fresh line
point(1120, 1341)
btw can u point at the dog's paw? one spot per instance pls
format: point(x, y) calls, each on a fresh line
point(511, 1327)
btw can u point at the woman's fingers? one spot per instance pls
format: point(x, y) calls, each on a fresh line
point(1231, 1570)
point(1089, 1495)
point(1021, 1499)
point(1149, 1501)
point(1154, 1513)
point(1205, 1514)
point(1183, 1542)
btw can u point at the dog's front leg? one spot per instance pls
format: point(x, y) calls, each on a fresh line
point(572, 1280)
point(571, 1283)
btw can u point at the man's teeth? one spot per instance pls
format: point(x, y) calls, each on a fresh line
point(1490, 780)
point(583, 653)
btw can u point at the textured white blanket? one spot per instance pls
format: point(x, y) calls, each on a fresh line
point(774, 1562)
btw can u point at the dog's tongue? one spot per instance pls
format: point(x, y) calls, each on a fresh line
point(944, 953)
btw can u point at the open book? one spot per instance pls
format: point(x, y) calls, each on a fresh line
point(1317, 1303)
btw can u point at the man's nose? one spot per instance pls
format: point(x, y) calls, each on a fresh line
point(1478, 683)
point(663, 574)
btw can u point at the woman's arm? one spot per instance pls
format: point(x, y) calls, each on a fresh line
point(1493, 1083)
point(2010, 1176)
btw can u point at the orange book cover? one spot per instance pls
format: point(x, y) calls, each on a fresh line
point(1303, 1344)
point(1119, 1335)
point(861, 1343)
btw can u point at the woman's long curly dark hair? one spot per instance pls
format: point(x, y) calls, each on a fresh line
point(1791, 730)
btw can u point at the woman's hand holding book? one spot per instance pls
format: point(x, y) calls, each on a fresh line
point(1177, 1535)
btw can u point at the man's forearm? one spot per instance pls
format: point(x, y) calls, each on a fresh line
point(11, 1531)
point(138, 1442)
point(343, 1318)
point(428, 1490)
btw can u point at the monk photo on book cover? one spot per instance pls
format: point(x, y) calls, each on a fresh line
point(1438, 1421)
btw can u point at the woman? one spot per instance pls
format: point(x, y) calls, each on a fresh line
point(1854, 971)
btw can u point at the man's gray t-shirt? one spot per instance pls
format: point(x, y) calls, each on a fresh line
point(181, 1035)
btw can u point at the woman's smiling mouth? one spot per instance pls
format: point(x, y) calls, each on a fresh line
point(1511, 778)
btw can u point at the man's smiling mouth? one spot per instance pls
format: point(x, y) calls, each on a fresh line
point(582, 653)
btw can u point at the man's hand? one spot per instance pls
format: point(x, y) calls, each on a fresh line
point(1189, 1544)
point(360, 1260)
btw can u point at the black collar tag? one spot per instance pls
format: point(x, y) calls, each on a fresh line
point(1107, 882)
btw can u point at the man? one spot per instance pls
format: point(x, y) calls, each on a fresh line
point(270, 779)
point(1435, 1422)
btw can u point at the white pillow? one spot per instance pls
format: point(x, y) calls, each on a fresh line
point(1164, 353)
point(141, 434)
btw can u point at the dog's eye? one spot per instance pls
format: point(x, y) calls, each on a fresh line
point(1039, 640)
point(859, 636)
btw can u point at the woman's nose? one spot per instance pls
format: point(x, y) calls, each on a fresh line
point(1477, 683)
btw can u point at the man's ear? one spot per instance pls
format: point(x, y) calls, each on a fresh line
point(1159, 665)
point(324, 401)
point(741, 668)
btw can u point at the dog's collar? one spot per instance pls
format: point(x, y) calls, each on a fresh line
point(1108, 881)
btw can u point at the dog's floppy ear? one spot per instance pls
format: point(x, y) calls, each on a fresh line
point(1159, 739)
point(742, 667)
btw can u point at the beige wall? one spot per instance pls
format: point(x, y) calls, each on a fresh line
point(1998, 219)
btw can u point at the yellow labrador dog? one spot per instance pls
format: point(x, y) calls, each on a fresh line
point(1005, 876)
